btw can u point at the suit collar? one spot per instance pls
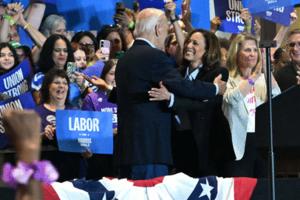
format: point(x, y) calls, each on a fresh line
point(143, 41)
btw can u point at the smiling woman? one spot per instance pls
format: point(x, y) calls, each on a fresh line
point(246, 89)
point(8, 57)
point(61, 53)
point(54, 93)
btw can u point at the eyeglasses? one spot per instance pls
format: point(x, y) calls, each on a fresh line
point(293, 44)
point(86, 45)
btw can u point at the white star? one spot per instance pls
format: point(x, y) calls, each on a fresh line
point(206, 188)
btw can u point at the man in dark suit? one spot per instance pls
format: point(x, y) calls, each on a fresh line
point(144, 127)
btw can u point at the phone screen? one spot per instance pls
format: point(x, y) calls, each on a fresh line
point(71, 68)
point(105, 48)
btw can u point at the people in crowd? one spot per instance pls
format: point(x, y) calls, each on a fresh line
point(8, 58)
point(56, 53)
point(102, 165)
point(280, 59)
point(246, 89)
point(287, 76)
point(147, 153)
point(23, 129)
point(86, 41)
point(54, 96)
point(80, 59)
point(112, 34)
point(224, 46)
point(54, 24)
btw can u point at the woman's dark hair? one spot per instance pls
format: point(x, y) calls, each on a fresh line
point(49, 78)
point(4, 45)
point(77, 37)
point(107, 67)
point(212, 55)
point(224, 43)
point(106, 30)
point(45, 62)
point(28, 55)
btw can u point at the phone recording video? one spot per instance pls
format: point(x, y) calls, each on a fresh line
point(105, 48)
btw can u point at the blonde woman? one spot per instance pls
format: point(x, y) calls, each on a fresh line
point(246, 89)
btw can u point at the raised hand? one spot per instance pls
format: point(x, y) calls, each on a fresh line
point(23, 127)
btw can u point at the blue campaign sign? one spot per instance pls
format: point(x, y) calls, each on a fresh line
point(17, 80)
point(264, 5)
point(78, 130)
point(24, 101)
point(229, 13)
point(278, 15)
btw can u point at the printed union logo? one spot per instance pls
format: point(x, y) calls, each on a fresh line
point(270, 1)
point(269, 13)
point(241, 28)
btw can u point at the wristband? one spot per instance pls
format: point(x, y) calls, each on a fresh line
point(9, 18)
point(42, 171)
point(131, 25)
point(251, 81)
point(174, 20)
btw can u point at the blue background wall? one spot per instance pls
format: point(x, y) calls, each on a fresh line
point(92, 14)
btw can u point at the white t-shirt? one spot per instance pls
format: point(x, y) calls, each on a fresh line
point(250, 102)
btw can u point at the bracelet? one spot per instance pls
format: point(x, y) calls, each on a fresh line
point(9, 18)
point(251, 81)
point(42, 171)
point(26, 26)
point(131, 25)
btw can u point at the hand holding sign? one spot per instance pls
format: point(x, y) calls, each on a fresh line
point(246, 16)
point(293, 17)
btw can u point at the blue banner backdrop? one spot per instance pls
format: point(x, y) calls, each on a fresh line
point(264, 5)
point(278, 15)
point(91, 14)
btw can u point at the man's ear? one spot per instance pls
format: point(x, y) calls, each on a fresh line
point(157, 30)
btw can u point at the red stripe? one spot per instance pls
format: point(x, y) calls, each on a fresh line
point(49, 193)
point(147, 183)
point(243, 188)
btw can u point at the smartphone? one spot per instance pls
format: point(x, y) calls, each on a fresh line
point(105, 48)
point(71, 68)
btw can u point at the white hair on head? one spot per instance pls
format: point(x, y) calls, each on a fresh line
point(50, 23)
point(146, 21)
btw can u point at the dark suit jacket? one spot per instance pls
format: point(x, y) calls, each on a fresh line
point(208, 125)
point(286, 76)
point(144, 127)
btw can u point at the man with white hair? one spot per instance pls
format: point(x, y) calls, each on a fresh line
point(144, 127)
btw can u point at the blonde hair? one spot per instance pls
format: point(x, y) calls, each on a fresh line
point(233, 51)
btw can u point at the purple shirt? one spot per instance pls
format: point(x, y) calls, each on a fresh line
point(98, 101)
